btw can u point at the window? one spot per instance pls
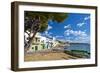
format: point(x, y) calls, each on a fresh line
point(43, 46)
point(38, 40)
point(36, 47)
point(32, 47)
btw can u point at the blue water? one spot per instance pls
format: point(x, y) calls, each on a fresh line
point(78, 46)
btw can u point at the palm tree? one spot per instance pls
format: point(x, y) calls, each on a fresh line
point(38, 21)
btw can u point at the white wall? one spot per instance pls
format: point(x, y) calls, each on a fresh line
point(5, 18)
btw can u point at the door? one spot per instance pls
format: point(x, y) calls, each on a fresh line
point(36, 48)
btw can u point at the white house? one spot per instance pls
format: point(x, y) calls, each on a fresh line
point(41, 43)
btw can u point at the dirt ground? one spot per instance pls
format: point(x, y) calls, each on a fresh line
point(47, 56)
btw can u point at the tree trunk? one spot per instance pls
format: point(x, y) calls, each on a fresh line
point(30, 42)
point(34, 29)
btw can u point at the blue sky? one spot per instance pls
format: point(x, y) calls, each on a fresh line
point(75, 28)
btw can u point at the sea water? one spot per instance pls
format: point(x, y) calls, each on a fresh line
point(78, 46)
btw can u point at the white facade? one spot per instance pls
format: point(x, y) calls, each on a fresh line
point(42, 43)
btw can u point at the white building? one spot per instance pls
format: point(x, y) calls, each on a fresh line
point(41, 43)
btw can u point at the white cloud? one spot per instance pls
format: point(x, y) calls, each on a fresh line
point(48, 34)
point(78, 36)
point(68, 26)
point(80, 24)
point(83, 23)
point(75, 33)
point(67, 33)
point(58, 36)
point(49, 27)
point(82, 39)
point(86, 18)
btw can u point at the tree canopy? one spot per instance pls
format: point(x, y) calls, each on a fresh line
point(44, 17)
